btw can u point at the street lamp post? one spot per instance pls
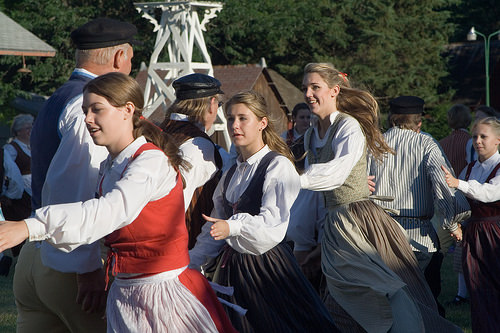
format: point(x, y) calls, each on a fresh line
point(471, 36)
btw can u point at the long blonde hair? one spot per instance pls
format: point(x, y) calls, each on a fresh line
point(357, 103)
point(257, 104)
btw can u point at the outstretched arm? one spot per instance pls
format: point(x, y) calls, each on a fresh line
point(450, 180)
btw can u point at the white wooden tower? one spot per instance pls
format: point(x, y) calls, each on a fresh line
point(180, 33)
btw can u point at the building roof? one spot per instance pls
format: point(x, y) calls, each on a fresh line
point(16, 40)
point(235, 78)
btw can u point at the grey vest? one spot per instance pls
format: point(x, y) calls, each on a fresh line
point(355, 187)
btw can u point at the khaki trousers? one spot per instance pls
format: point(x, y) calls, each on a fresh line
point(46, 299)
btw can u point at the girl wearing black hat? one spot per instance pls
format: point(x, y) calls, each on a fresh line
point(249, 222)
point(139, 209)
point(371, 272)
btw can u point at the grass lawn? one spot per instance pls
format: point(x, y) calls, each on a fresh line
point(7, 306)
point(460, 315)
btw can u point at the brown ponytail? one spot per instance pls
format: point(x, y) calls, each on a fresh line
point(118, 89)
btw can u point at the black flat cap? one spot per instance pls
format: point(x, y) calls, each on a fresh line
point(103, 32)
point(196, 85)
point(407, 105)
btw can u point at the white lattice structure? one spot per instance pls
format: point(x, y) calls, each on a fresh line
point(179, 32)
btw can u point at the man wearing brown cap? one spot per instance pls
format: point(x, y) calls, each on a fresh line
point(412, 178)
point(57, 291)
point(188, 118)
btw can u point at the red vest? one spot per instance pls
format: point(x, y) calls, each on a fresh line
point(157, 240)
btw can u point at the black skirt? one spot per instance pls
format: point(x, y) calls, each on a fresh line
point(481, 265)
point(275, 292)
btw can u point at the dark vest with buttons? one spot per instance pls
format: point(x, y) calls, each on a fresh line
point(251, 200)
point(45, 136)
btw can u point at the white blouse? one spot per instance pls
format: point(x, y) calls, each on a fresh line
point(475, 187)
point(200, 153)
point(252, 234)
point(66, 226)
point(348, 146)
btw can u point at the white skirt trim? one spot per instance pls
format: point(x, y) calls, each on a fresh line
point(158, 303)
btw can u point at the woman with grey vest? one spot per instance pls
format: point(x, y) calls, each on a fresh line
point(372, 275)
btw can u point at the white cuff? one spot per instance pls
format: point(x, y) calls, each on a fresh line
point(463, 186)
point(234, 226)
point(36, 229)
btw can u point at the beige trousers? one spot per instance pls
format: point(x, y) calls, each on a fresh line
point(46, 299)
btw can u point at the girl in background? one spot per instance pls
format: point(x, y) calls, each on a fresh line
point(301, 120)
point(250, 218)
point(480, 182)
point(140, 210)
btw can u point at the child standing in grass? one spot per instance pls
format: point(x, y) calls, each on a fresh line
point(480, 182)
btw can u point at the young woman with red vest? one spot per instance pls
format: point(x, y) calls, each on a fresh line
point(480, 182)
point(139, 209)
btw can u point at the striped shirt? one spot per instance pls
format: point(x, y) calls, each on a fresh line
point(414, 178)
point(454, 146)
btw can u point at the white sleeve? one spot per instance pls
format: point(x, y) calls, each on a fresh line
point(15, 183)
point(66, 226)
point(485, 192)
point(199, 152)
point(348, 145)
point(76, 155)
point(256, 234)
point(206, 247)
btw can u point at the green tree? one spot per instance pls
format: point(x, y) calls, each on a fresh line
point(484, 15)
point(391, 48)
point(53, 21)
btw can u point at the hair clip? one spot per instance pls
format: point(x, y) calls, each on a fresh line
point(344, 76)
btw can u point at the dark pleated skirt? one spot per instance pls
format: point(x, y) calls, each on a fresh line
point(481, 264)
point(273, 289)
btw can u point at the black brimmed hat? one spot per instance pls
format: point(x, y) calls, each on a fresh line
point(407, 105)
point(103, 32)
point(196, 85)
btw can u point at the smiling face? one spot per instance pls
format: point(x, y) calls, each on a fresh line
point(108, 125)
point(320, 98)
point(485, 141)
point(245, 129)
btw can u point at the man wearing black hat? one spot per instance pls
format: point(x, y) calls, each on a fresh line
point(188, 118)
point(57, 291)
point(412, 177)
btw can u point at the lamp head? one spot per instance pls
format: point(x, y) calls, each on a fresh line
point(471, 35)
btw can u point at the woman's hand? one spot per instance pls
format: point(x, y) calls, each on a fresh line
point(450, 180)
point(12, 233)
point(219, 229)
